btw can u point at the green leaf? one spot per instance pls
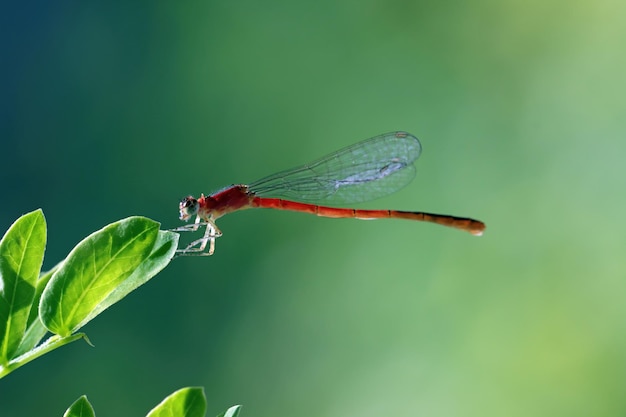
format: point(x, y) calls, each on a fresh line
point(102, 269)
point(35, 330)
point(186, 402)
point(80, 408)
point(161, 255)
point(21, 256)
point(231, 412)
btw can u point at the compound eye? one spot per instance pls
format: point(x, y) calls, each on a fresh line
point(188, 207)
point(188, 202)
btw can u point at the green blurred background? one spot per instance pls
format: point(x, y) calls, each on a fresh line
point(118, 109)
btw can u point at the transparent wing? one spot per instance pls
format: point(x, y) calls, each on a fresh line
point(364, 171)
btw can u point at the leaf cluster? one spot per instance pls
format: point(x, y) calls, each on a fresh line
point(101, 270)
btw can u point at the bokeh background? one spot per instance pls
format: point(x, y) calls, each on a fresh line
point(121, 108)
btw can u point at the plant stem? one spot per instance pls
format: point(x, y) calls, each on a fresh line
point(52, 343)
